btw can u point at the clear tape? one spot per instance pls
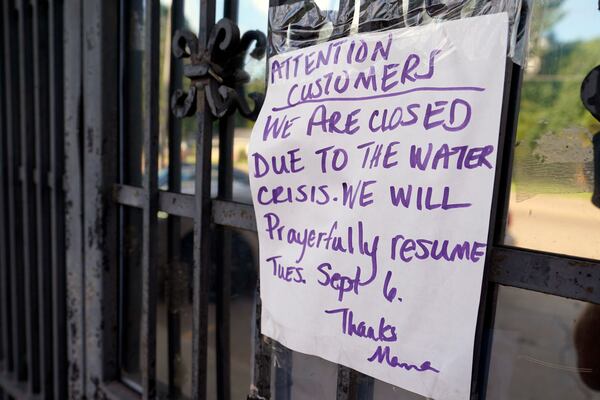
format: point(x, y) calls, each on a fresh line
point(296, 24)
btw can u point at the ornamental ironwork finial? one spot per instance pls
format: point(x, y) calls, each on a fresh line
point(219, 68)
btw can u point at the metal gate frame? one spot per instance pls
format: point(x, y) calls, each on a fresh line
point(75, 186)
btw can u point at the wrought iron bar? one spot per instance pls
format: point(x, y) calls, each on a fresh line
point(261, 388)
point(100, 123)
point(497, 226)
point(547, 273)
point(56, 131)
point(174, 220)
point(223, 262)
point(73, 184)
point(26, 168)
point(150, 222)
point(488, 290)
point(42, 193)
point(181, 205)
point(5, 317)
point(235, 215)
point(201, 249)
point(202, 214)
point(223, 243)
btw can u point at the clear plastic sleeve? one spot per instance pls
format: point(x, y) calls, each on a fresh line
point(296, 24)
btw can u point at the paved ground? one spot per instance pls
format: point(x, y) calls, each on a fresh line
point(568, 224)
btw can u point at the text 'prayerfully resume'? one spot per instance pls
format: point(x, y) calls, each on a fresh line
point(372, 169)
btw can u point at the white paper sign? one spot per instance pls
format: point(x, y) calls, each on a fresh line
point(372, 171)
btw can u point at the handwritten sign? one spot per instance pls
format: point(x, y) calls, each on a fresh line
point(372, 171)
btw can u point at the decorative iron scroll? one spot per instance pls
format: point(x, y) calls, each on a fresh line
point(219, 69)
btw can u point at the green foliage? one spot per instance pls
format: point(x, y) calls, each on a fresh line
point(550, 101)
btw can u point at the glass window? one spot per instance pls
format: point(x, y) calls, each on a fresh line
point(553, 178)
point(174, 307)
point(191, 21)
point(298, 376)
point(179, 133)
point(131, 295)
point(166, 120)
point(135, 78)
point(385, 391)
point(244, 276)
point(252, 15)
point(544, 347)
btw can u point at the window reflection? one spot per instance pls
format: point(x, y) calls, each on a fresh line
point(544, 347)
point(174, 329)
point(134, 79)
point(385, 391)
point(178, 133)
point(174, 306)
point(252, 15)
point(174, 310)
point(244, 276)
point(298, 376)
point(131, 295)
point(552, 183)
point(243, 129)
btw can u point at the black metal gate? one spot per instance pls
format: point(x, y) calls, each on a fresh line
point(112, 276)
point(32, 277)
